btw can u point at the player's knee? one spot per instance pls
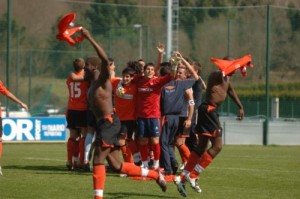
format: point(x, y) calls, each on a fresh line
point(199, 150)
point(217, 148)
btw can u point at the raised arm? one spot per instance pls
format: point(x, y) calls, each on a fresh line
point(188, 66)
point(191, 70)
point(161, 49)
point(105, 73)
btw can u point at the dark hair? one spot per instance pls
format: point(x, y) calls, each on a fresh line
point(95, 61)
point(134, 65)
point(165, 70)
point(129, 71)
point(163, 64)
point(197, 66)
point(78, 64)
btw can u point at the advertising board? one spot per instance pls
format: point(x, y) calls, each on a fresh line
point(34, 129)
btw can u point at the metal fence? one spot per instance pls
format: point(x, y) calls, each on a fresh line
point(39, 63)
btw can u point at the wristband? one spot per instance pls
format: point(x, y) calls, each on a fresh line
point(191, 102)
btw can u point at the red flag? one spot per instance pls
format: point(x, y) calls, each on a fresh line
point(229, 66)
point(64, 33)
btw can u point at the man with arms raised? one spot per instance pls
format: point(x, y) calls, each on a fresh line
point(108, 125)
point(208, 126)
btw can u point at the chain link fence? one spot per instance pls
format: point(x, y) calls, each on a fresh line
point(40, 63)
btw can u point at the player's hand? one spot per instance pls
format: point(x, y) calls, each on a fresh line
point(178, 54)
point(241, 114)
point(25, 106)
point(187, 123)
point(85, 33)
point(160, 47)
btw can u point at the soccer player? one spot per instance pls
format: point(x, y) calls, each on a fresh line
point(208, 128)
point(186, 142)
point(124, 100)
point(7, 93)
point(148, 109)
point(173, 101)
point(76, 114)
point(108, 124)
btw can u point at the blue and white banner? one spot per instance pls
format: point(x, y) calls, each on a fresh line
point(34, 129)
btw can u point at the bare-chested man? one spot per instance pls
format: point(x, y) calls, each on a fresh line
point(108, 124)
point(208, 129)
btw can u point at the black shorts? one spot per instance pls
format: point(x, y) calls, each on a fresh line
point(128, 128)
point(182, 130)
point(76, 119)
point(208, 123)
point(91, 120)
point(107, 132)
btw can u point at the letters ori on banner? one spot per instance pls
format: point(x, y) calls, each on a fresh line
point(34, 129)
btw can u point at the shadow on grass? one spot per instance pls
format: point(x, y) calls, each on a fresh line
point(44, 168)
point(118, 195)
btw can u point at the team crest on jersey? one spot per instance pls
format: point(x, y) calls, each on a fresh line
point(145, 89)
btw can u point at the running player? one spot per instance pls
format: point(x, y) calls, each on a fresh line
point(108, 124)
point(208, 127)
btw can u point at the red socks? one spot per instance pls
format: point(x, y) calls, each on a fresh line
point(81, 149)
point(99, 176)
point(133, 170)
point(203, 162)
point(132, 146)
point(156, 151)
point(144, 150)
point(192, 161)
point(184, 152)
point(72, 150)
point(127, 154)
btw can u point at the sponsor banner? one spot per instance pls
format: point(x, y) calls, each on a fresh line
point(34, 129)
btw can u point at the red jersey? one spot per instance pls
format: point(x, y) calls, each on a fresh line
point(4, 91)
point(77, 93)
point(124, 103)
point(148, 95)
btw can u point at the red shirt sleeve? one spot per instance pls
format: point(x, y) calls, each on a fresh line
point(3, 89)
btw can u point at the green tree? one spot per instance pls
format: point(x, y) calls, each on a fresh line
point(104, 17)
point(16, 30)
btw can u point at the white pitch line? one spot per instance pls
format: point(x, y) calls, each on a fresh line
point(46, 159)
point(258, 170)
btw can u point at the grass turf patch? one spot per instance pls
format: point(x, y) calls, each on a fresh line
point(38, 171)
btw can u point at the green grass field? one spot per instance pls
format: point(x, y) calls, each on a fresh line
point(248, 172)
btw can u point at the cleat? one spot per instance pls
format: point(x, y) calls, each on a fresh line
point(86, 167)
point(1, 174)
point(182, 166)
point(151, 163)
point(69, 166)
point(123, 175)
point(193, 182)
point(174, 165)
point(161, 182)
point(180, 186)
point(139, 163)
